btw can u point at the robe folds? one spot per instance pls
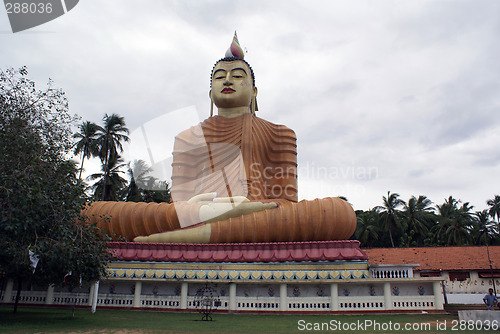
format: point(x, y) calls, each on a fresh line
point(242, 156)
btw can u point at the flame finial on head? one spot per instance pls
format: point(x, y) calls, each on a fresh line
point(234, 49)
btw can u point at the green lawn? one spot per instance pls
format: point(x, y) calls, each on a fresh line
point(40, 320)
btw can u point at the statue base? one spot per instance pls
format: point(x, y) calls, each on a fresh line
point(315, 277)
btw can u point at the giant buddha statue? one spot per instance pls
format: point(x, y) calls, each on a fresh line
point(234, 179)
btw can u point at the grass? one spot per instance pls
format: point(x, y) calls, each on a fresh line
point(51, 320)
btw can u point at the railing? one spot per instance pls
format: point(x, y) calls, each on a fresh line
point(31, 297)
point(258, 303)
point(467, 287)
point(222, 303)
point(115, 300)
point(391, 272)
point(412, 302)
point(65, 298)
point(269, 304)
point(160, 301)
point(361, 303)
point(309, 303)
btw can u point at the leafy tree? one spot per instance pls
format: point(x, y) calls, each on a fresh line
point(110, 137)
point(40, 195)
point(87, 142)
point(157, 191)
point(391, 214)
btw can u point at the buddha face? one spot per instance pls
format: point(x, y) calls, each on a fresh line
point(232, 85)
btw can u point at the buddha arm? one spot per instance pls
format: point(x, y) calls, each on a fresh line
point(129, 219)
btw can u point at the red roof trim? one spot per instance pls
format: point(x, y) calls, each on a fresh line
point(346, 250)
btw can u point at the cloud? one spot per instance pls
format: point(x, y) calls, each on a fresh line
point(406, 89)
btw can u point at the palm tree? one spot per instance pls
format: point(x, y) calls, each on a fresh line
point(109, 181)
point(87, 144)
point(367, 228)
point(455, 223)
point(417, 215)
point(484, 228)
point(494, 209)
point(110, 137)
point(390, 213)
point(137, 171)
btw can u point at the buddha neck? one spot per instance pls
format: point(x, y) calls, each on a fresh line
point(232, 112)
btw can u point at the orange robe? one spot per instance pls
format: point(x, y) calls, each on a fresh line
point(245, 156)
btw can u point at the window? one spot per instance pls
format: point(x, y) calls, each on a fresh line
point(430, 273)
point(459, 275)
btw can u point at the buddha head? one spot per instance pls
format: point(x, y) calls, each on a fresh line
point(232, 83)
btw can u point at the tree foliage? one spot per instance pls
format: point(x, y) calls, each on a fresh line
point(109, 141)
point(105, 142)
point(417, 223)
point(87, 142)
point(40, 194)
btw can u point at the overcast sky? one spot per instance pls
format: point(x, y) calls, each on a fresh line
point(400, 96)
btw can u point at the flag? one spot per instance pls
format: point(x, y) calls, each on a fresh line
point(33, 260)
point(66, 277)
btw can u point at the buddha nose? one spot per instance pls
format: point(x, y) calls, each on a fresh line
point(228, 81)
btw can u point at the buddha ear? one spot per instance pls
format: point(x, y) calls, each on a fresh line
point(211, 103)
point(253, 103)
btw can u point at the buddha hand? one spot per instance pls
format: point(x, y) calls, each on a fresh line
point(221, 208)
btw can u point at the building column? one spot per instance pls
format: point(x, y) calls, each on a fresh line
point(438, 299)
point(137, 294)
point(7, 295)
point(184, 295)
point(91, 294)
point(334, 297)
point(232, 296)
point(387, 296)
point(95, 295)
point(49, 299)
point(283, 297)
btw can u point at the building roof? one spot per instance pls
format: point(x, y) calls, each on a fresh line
point(345, 250)
point(437, 258)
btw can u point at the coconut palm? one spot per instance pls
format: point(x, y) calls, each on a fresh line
point(110, 181)
point(417, 216)
point(484, 229)
point(367, 228)
point(391, 214)
point(494, 209)
point(138, 172)
point(87, 143)
point(110, 138)
point(454, 223)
